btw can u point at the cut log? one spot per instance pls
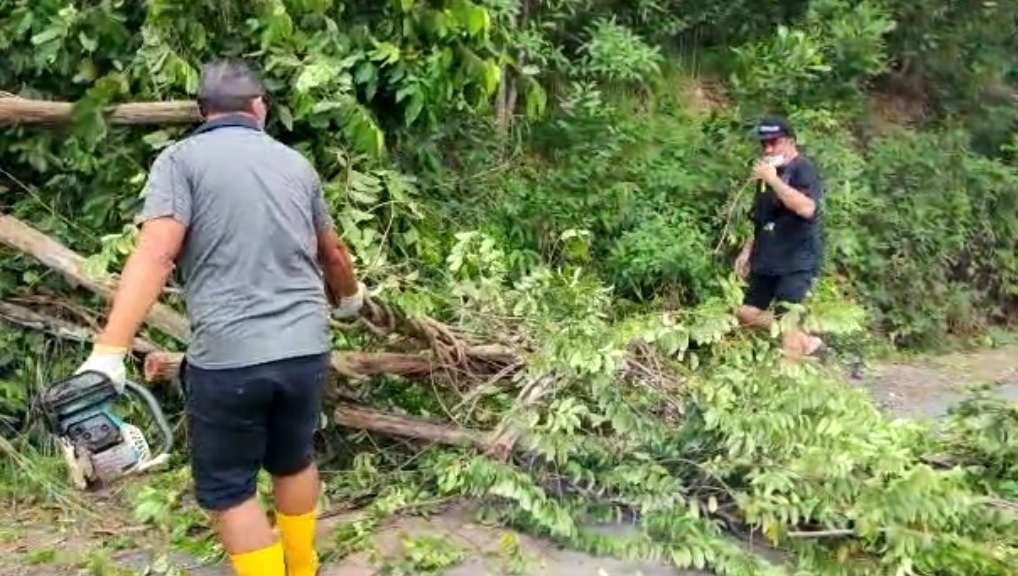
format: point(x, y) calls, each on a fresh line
point(360, 418)
point(15, 110)
point(164, 366)
point(61, 259)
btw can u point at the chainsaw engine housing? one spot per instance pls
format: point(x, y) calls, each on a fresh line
point(98, 446)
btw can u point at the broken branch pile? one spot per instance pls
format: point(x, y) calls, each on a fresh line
point(448, 354)
point(445, 353)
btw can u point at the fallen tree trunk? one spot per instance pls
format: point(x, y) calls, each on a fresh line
point(59, 258)
point(476, 359)
point(15, 110)
point(360, 418)
point(164, 366)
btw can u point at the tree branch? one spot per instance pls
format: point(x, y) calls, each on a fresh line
point(163, 366)
point(15, 110)
point(360, 418)
point(27, 240)
point(27, 318)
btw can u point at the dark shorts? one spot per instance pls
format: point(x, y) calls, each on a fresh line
point(244, 419)
point(765, 289)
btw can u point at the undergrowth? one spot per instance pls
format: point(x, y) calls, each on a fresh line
point(694, 429)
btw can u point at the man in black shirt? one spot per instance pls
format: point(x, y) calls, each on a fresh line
point(782, 259)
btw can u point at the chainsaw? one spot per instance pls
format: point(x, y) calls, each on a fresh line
point(99, 447)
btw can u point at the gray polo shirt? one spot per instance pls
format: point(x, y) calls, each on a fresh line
point(253, 285)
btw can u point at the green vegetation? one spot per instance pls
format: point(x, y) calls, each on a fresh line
point(565, 178)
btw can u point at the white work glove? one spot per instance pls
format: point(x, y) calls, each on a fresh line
point(109, 362)
point(350, 306)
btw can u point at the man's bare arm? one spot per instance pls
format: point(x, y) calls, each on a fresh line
point(340, 278)
point(748, 247)
point(333, 255)
point(145, 274)
point(793, 199)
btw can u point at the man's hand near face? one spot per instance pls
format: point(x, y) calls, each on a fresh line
point(793, 199)
point(765, 172)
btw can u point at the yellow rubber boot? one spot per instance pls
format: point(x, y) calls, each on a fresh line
point(298, 535)
point(264, 562)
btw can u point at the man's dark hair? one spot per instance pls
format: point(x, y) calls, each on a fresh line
point(227, 86)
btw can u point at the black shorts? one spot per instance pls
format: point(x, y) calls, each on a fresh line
point(241, 420)
point(765, 289)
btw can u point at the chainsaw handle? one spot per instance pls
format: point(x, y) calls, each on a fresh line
point(156, 410)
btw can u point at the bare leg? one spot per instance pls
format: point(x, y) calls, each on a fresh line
point(795, 342)
point(243, 528)
point(249, 540)
point(296, 515)
point(297, 494)
point(754, 317)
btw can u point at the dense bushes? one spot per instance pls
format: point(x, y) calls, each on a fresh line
point(908, 213)
point(625, 160)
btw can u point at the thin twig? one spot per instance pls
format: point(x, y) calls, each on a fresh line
point(731, 214)
point(833, 533)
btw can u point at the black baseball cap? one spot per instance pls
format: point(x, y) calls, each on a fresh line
point(772, 128)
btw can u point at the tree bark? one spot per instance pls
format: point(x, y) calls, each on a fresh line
point(15, 110)
point(70, 265)
point(359, 418)
point(508, 88)
point(163, 366)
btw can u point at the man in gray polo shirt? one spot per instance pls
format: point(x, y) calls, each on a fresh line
point(244, 218)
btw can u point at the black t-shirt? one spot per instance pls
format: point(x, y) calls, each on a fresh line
point(783, 241)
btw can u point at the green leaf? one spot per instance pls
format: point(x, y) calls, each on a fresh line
point(492, 76)
point(50, 34)
point(285, 117)
point(314, 76)
point(413, 110)
point(478, 21)
point(88, 43)
point(191, 78)
point(385, 53)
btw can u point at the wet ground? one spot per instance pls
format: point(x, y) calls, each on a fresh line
point(929, 388)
